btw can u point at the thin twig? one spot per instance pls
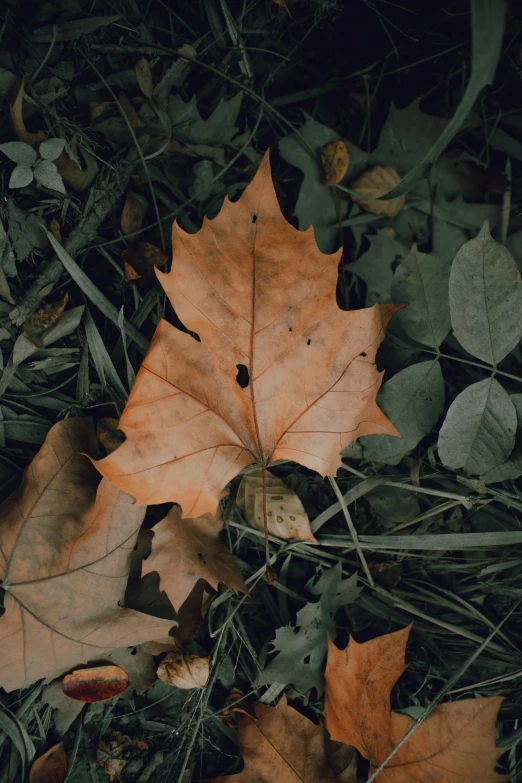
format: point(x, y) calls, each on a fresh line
point(351, 528)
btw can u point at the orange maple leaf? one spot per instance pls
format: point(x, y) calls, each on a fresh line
point(66, 539)
point(455, 744)
point(278, 370)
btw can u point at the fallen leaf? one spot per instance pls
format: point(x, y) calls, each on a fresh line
point(144, 77)
point(189, 127)
point(234, 705)
point(65, 545)
point(37, 324)
point(65, 710)
point(286, 517)
point(130, 111)
point(376, 182)
point(17, 118)
point(335, 159)
point(97, 683)
point(455, 744)
point(377, 264)
point(51, 767)
point(143, 258)
point(279, 745)
point(184, 671)
point(139, 665)
point(114, 750)
point(108, 434)
point(186, 550)
point(73, 175)
point(278, 370)
point(343, 761)
point(302, 649)
point(283, 4)
point(54, 228)
point(133, 213)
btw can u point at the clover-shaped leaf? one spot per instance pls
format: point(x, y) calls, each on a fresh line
point(51, 149)
point(47, 175)
point(20, 177)
point(20, 153)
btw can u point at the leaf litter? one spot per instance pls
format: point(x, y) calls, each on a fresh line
point(126, 123)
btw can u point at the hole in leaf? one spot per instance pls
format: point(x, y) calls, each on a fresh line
point(134, 651)
point(254, 218)
point(363, 354)
point(290, 329)
point(242, 377)
point(309, 341)
point(306, 659)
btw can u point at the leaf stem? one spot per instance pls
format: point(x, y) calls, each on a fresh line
point(271, 575)
point(489, 367)
point(351, 528)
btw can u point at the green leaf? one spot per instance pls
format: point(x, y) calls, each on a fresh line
point(485, 296)
point(375, 266)
point(512, 468)
point(189, 127)
point(421, 281)
point(302, 650)
point(20, 177)
point(71, 31)
point(479, 429)
point(51, 148)
point(48, 175)
point(19, 152)
point(413, 401)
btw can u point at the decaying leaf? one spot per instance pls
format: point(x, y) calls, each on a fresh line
point(278, 371)
point(65, 545)
point(65, 710)
point(286, 517)
point(51, 767)
point(376, 182)
point(37, 324)
point(108, 434)
point(144, 77)
point(97, 683)
point(234, 704)
point(455, 744)
point(17, 119)
point(132, 214)
point(283, 4)
point(143, 258)
point(335, 159)
point(279, 745)
point(184, 671)
point(187, 550)
point(71, 172)
point(113, 752)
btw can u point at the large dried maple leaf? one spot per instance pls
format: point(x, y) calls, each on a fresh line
point(455, 744)
point(278, 372)
point(280, 746)
point(65, 545)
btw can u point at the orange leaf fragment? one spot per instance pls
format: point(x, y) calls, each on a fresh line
point(144, 77)
point(455, 744)
point(38, 323)
point(51, 767)
point(133, 213)
point(17, 118)
point(335, 159)
point(184, 671)
point(279, 371)
point(283, 4)
point(187, 550)
point(98, 683)
point(376, 182)
point(142, 258)
point(108, 434)
point(113, 751)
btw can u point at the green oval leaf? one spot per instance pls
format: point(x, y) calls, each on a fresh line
point(20, 177)
point(421, 281)
point(479, 430)
point(51, 148)
point(19, 152)
point(512, 467)
point(485, 296)
point(47, 175)
point(413, 401)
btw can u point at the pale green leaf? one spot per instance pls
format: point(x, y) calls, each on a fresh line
point(51, 148)
point(421, 282)
point(485, 296)
point(19, 152)
point(413, 400)
point(20, 177)
point(48, 175)
point(479, 429)
point(512, 468)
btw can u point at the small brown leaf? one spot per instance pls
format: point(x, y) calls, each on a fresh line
point(54, 228)
point(142, 258)
point(38, 323)
point(235, 704)
point(335, 159)
point(184, 671)
point(109, 435)
point(98, 683)
point(283, 4)
point(186, 550)
point(16, 112)
point(71, 173)
point(376, 182)
point(286, 517)
point(144, 77)
point(51, 767)
point(133, 213)
point(131, 113)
